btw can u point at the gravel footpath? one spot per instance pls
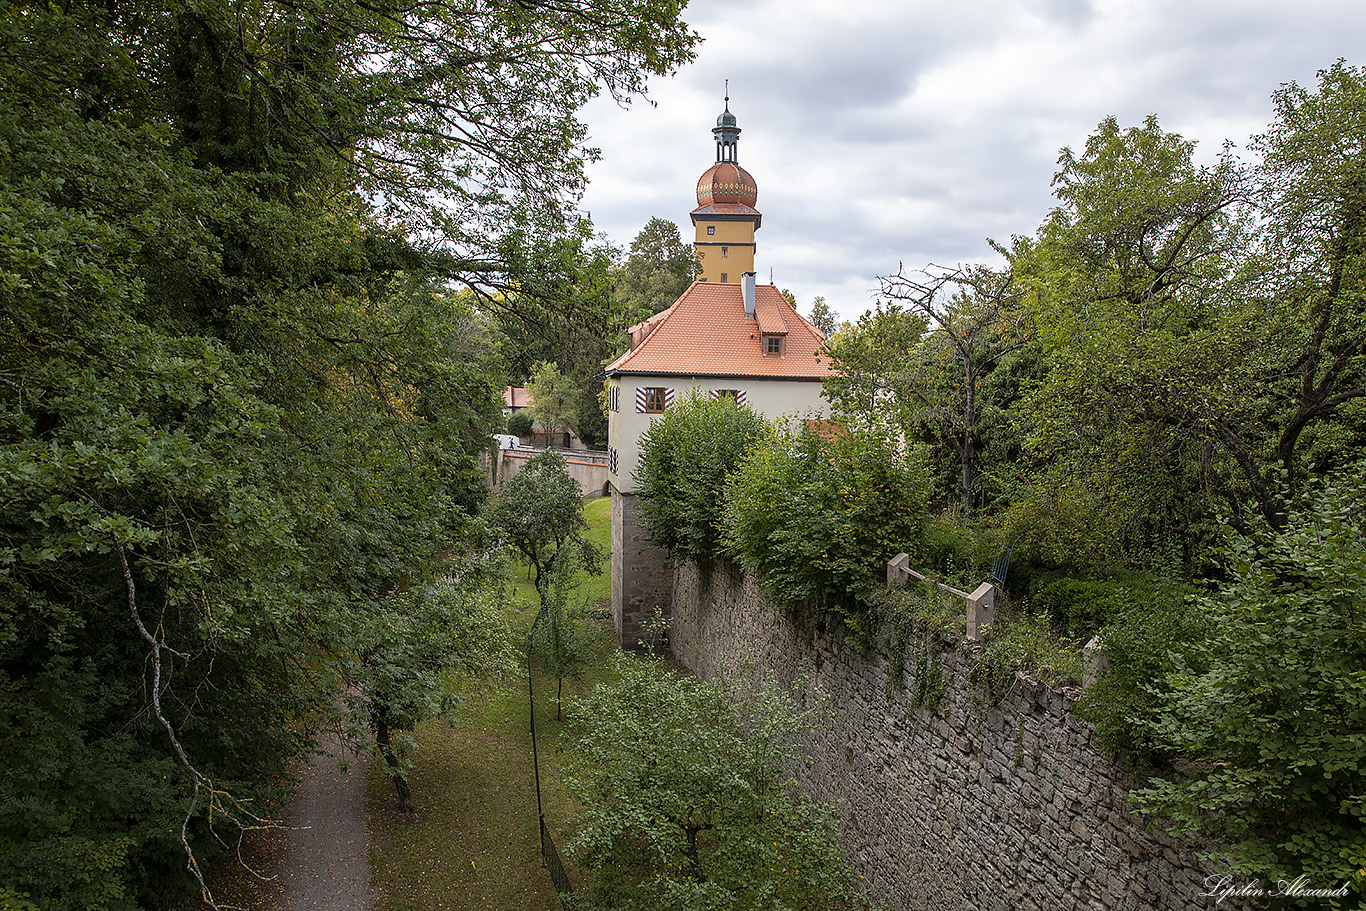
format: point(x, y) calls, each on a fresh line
point(325, 865)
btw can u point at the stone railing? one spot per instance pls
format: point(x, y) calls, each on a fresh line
point(981, 611)
point(981, 602)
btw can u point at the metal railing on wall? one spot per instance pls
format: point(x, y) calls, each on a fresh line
point(550, 855)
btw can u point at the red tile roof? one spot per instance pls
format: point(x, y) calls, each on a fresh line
point(727, 209)
point(515, 397)
point(769, 314)
point(706, 333)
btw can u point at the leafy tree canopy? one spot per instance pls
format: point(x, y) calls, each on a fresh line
point(539, 512)
point(240, 407)
point(659, 268)
point(822, 317)
point(925, 362)
point(816, 513)
point(686, 802)
point(551, 398)
point(1270, 708)
point(1203, 321)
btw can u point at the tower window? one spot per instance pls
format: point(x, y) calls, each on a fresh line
point(711, 229)
point(725, 250)
point(725, 277)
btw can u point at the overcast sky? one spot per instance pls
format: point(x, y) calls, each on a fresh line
point(882, 132)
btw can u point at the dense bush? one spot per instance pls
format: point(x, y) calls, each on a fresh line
point(1144, 641)
point(1022, 643)
point(956, 551)
point(1270, 710)
point(817, 513)
point(1076, 606)
point(688, 454)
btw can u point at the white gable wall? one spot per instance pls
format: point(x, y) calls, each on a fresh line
point(773, 398)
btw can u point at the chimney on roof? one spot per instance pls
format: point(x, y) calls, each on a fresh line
point(747, 290)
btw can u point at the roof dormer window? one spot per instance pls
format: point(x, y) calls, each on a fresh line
point(773, 346)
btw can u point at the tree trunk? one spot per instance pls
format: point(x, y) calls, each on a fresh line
point(694, 864)
point(386, 749)
point(968, 450)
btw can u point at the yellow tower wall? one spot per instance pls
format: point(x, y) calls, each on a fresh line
point(728, 251)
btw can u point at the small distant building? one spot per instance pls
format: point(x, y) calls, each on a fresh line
point(515, 398)
point(727, 336)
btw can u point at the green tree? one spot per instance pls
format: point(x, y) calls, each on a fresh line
point(575, 324)
point(1313, 185)
point(1141, 290)
point(551, 398)
point(659, 268)
point(817, 513)
point(1269, 711)
point(822, 317)
point(539, 512)
point(410, 649)
point(1204, 320)
point(564, 647)
point(870, 361)
point(688, 453)
point(687, 805)
point(240, 413)
point(519, 423)
point(975, 320)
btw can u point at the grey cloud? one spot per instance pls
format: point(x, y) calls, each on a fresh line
point(866, 155)
point(1075, 14)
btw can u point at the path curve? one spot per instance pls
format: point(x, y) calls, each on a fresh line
point(326, 863)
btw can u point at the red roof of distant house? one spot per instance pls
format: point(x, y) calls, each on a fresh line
point(515, 397)
point(706, 333)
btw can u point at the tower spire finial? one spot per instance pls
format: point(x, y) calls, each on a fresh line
point(727, 133)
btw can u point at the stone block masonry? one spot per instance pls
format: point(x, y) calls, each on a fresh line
point(965, 805)
point(642, 579)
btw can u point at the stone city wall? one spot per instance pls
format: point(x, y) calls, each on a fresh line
point(975, 805)
point(588, 468)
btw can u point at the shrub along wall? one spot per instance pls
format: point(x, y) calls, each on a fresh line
point(951, 799)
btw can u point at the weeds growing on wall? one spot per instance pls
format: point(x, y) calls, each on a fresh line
point(1020, 643)
point(929, 677)
point(919, 621)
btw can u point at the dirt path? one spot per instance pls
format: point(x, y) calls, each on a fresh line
point(325, 864)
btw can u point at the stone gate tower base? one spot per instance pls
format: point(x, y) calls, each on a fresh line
point(642, 580)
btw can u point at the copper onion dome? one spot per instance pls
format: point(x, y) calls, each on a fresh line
point(726, 183)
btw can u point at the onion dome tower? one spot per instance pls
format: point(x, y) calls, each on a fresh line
point(725, 218)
